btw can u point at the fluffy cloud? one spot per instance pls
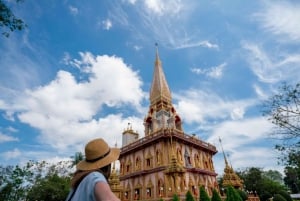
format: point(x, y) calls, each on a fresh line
point(200, 106)
point(68, 111)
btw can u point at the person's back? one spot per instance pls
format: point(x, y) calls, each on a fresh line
point(89, 182)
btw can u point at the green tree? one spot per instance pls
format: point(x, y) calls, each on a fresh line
point(175, 197)
point(286, 195)
point(265, 196)
point(252, 178)
point(77, 158)
point(242, 194)
point(8, 21)
point(283, 110)
point(256, 180)
point(189, 196)
point(15, 181)
point(292, 179)
point(203, 194)
point(215, 196)
point(274, 175)
point(232, 194)
point(278, 197)
point(50, 188)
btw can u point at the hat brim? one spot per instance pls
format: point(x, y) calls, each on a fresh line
point(111, 157)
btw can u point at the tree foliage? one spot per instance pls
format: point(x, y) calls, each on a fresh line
point(203, 194)
point(18, 182)
point(189, 196)
point(232, 194)
point(8, 21)
point(286, 195)
point(50, 188)
point(256, 181)
point(175, 198)
point(278, 197)
point(283, 110)
point(292, 178)
point(242, 194)
point(215, 196)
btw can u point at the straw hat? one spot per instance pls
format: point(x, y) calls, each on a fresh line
point(97, 155)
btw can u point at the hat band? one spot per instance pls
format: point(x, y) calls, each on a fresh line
point(96, 159)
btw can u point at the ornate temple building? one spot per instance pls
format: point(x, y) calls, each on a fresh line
point(166, 161)
point(230, 178)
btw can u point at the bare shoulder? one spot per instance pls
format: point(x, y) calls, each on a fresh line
point(104, 193)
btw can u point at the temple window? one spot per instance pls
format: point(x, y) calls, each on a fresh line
point(137, 163)
point(148, 162)
point(128, 168)
point(187, 158)
point(137, 194)
point(148, 192)
point(126, 195)
point(121, 168)
point(158, 157)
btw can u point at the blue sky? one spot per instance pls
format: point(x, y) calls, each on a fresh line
point(83, 69)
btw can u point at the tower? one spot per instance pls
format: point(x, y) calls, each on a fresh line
point(230, 178)
point(166, 161)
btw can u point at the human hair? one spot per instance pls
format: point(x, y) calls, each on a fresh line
point(106, 170)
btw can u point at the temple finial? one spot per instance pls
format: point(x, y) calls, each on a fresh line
point(157, 57)
point(223, 152)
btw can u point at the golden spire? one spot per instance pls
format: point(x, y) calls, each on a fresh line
point(159, 89)
point(226, 163)
point(230, 178)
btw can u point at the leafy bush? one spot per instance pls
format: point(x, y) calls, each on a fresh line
point(286, 195)
point(203, 194)
point(232, 195)
point(175, 198)
point(278, 197)
point(216, 196)
point(189, 196)
point(242, 194)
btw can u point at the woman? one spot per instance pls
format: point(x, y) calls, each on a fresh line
point(89, 182)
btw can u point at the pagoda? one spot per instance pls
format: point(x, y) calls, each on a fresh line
point(166, 161)
point(230, 178)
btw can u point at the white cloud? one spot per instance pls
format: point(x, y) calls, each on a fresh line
point(137, 47)
point(237, 113)
point(166, 7)
point(107, 24)
point(259, 91)
point(7, 138)
point(167, 22)
point(282, 18)
point(199, 106)
point(15, 153)
point(242, 143)
point(11, 129)
point(235, 134)
point(213, 72)
point(189, 44)
point(73, 10)
point(269, 68)
point(64, 110)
